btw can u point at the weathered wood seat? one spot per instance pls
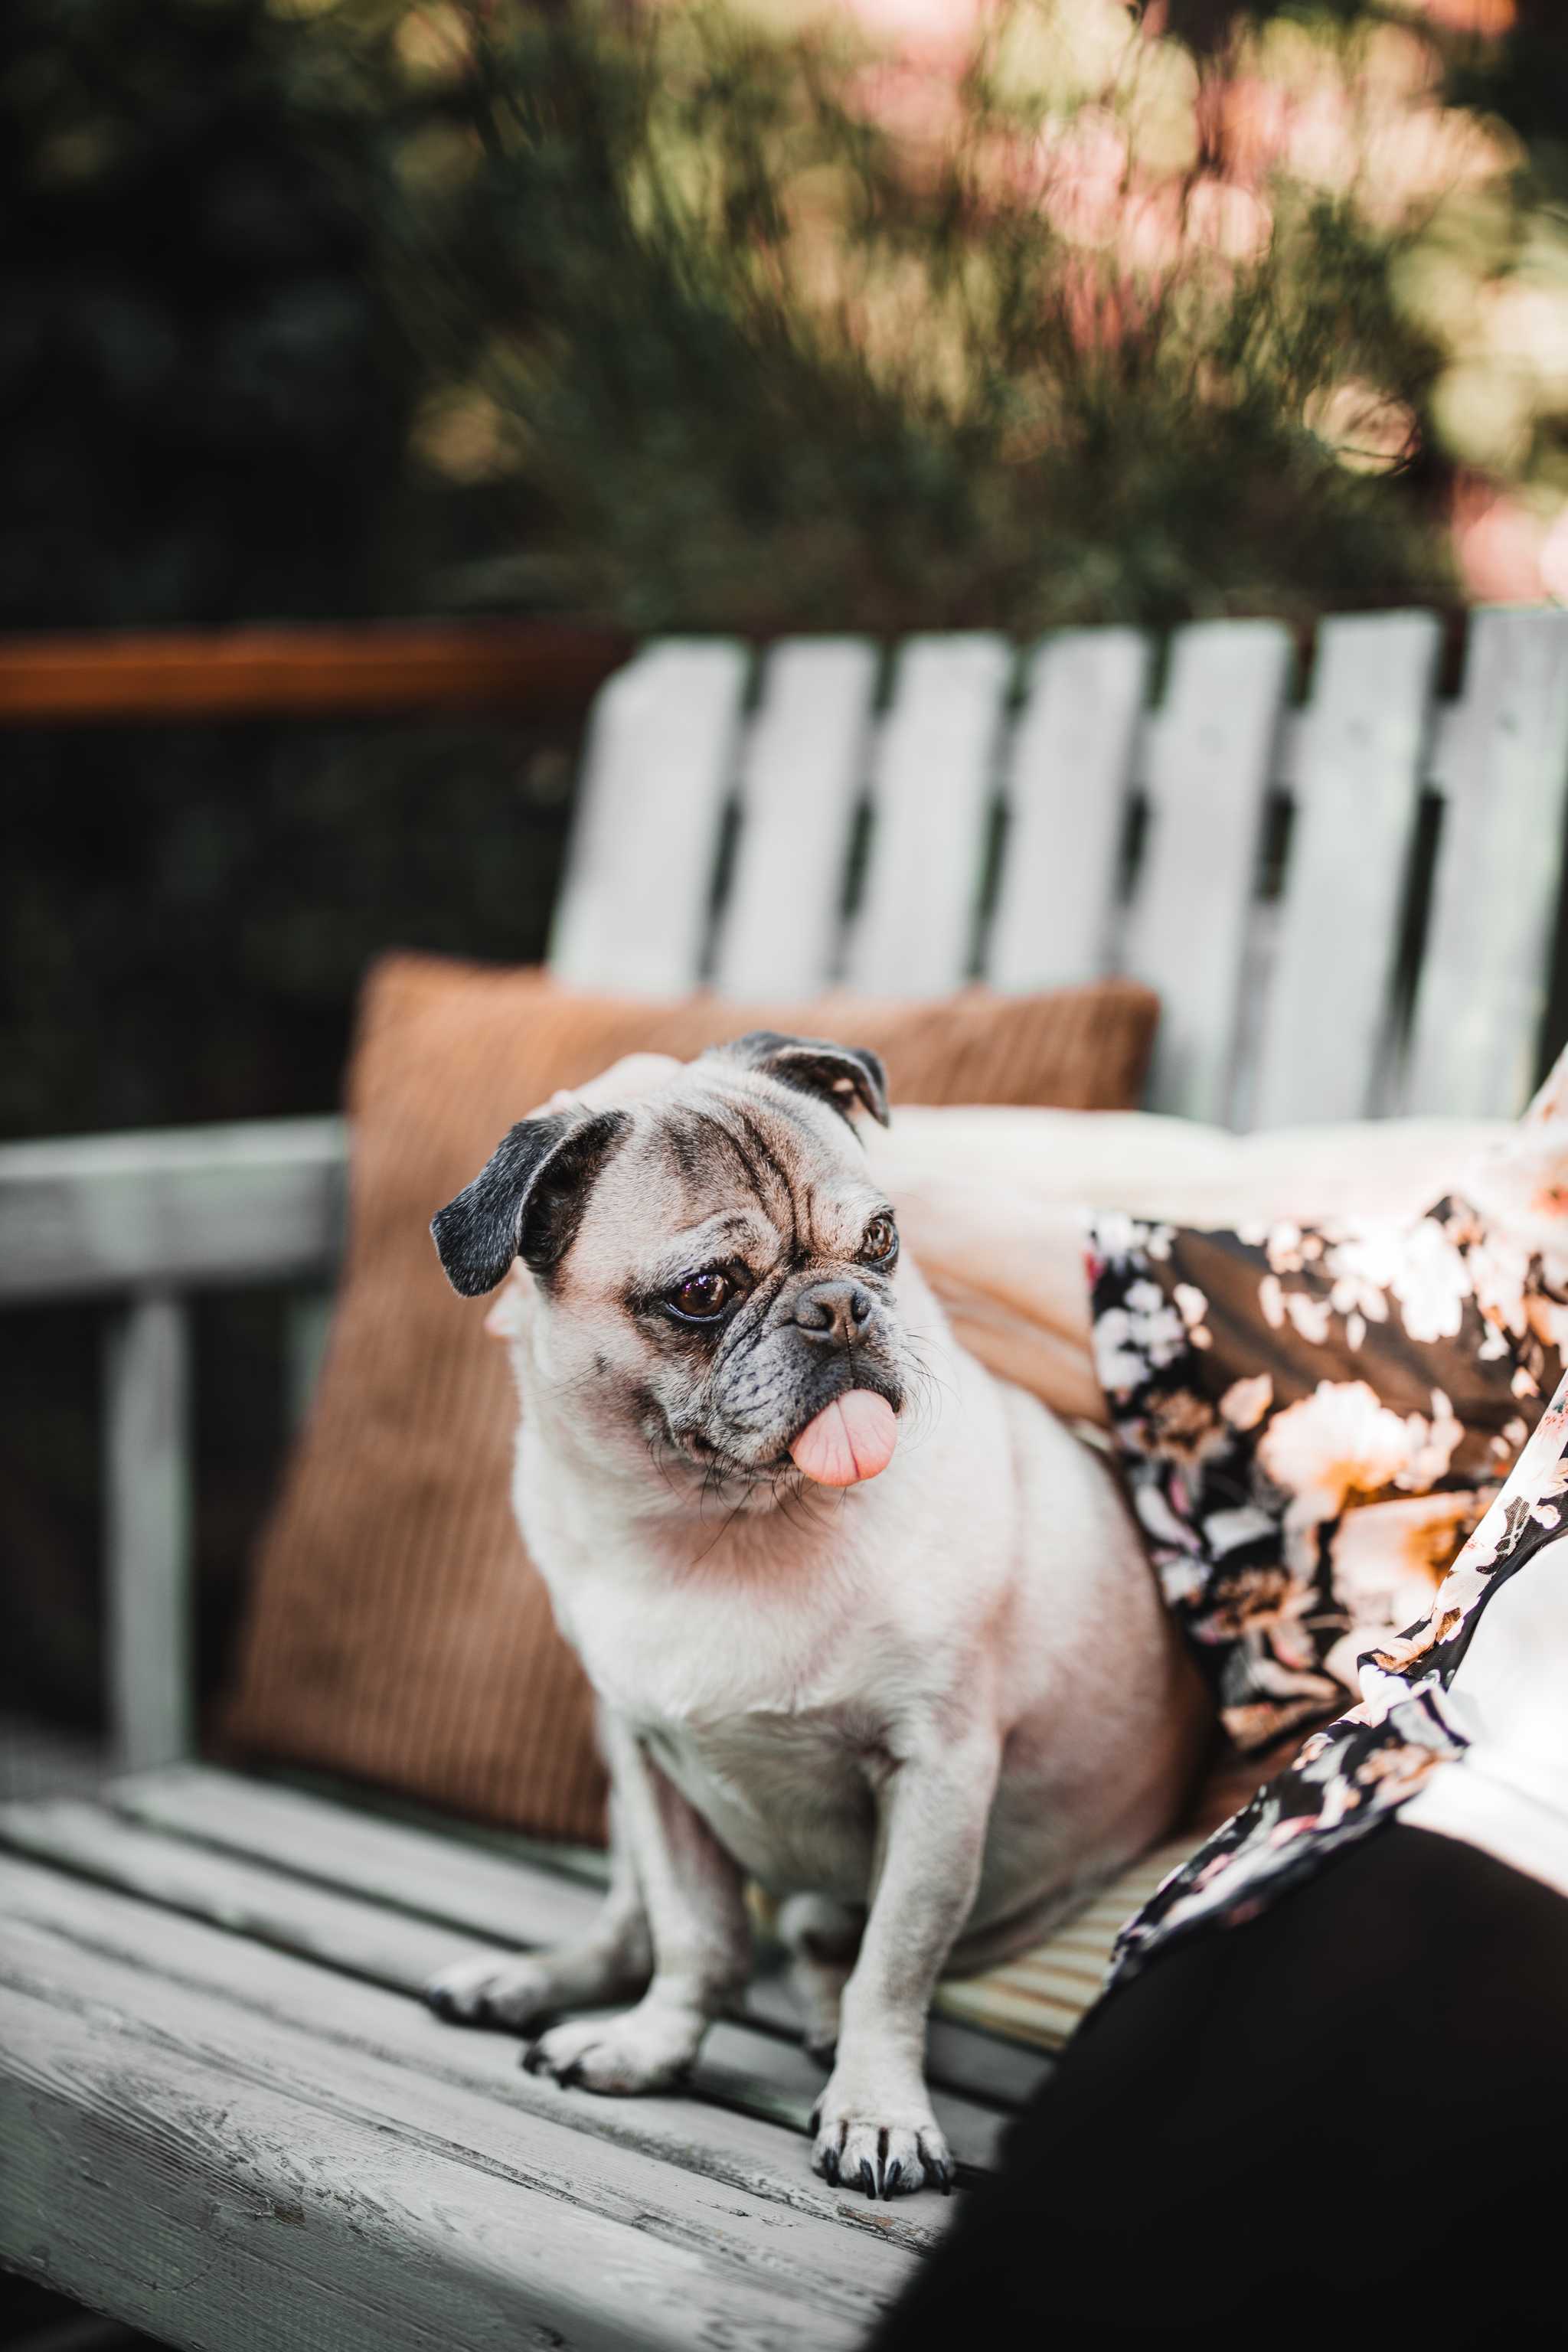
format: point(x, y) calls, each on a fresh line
point(221, 2089)
point(225, 2117)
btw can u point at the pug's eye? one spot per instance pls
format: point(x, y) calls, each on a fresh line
point(702, 1296)
point(881, 1240)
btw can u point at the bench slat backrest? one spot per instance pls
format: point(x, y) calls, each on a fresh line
point(773, 825)
point(1209, 763)
point(1326, 1037)
point(933, 782)
point(1072, 752)
point(659, 769)
point(1501, 760)
point(806, 754)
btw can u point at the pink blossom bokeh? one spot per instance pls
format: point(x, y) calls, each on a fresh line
point(1165, 166)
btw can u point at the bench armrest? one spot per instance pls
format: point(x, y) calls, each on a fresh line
point(137, 1219)
point(172, 1208)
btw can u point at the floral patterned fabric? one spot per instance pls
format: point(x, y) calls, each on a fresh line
point(1310, 1422)
point(1350, 1778)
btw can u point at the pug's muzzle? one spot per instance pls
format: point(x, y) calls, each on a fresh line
point(822, 1341)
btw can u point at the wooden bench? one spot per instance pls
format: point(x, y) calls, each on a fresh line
point(226, 2119)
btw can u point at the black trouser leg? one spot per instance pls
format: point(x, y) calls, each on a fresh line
point(1349, 2115)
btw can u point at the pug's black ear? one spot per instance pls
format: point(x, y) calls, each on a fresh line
point(839, 1075)
point(527, 1201)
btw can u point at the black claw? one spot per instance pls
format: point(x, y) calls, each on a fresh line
point(868, 2178)
point(943, 2178)
point(816, 2124)
point(570, 2073)
point(830, 2166)
point(533, 2059)
point(891, 2178)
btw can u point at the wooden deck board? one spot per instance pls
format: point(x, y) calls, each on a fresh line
point(791, 2250)
point(505, 1897)
point(222, 2212)
point(741, 2067)
point(735, 2151)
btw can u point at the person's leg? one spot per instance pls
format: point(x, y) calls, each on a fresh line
point(1343, 2115)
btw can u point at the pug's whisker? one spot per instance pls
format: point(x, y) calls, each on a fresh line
point(658, 1461)
point(914, 1348)
point(794, 1507)
point(713, 1486)
point(929, 1381)
point(724, 1528)
point(923, 1403)
point(796, 1500)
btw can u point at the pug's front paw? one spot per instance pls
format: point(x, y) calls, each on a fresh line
point(508, 1988)
point(879, 2138)
point(646, 2049)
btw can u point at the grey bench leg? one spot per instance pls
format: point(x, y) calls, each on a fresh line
point(147, 1487)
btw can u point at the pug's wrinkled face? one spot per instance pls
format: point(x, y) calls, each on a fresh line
point(712, 1267)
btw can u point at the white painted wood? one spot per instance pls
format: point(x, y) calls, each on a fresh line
point(804, 769)
point(660, 763)
point(440, 1878)
point(1449, 732)
point(1482, 988)
point(1358, 774)
point(513, 1897)
point(724, 2147)
point(1208, 762)
point(334, 1929)
point(1068, 775)
point(935, 775)
point(147, 1493)
point(260, 1201)
point(778, 2247)
point(585, 1865)
point(740, 2067)
point(218, 2212)
point(1290, 746)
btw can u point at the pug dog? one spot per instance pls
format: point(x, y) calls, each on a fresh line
point(865, 1624)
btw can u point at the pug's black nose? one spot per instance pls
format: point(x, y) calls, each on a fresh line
point(837, 1311)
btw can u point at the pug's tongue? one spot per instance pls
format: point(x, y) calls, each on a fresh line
point(851, 1439)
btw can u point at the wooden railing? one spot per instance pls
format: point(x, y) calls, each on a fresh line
point(539, 669)
point(141, 1221)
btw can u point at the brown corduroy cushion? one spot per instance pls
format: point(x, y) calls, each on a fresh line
point(397, 1632)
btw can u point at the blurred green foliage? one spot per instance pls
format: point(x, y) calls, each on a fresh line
point(760, 354)
point(698, 316)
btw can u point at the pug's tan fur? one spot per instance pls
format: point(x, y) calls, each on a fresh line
point(926, 1714)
